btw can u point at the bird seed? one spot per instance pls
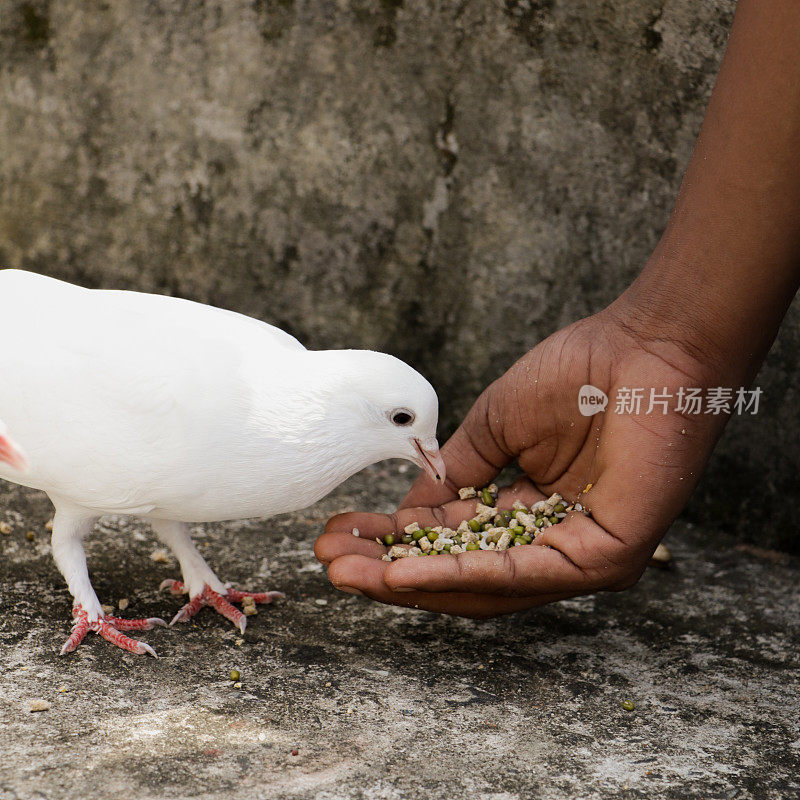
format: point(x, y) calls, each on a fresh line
point(491, 528)
point(661, 557)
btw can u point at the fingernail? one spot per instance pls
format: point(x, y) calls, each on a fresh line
point(402, 589)
point(349, 590)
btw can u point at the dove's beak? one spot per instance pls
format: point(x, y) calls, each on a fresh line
point(430, 459)
point(12, 453)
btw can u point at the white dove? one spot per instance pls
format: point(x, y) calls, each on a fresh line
point(178, 412)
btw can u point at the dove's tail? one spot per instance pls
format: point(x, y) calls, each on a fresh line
point(10, 452)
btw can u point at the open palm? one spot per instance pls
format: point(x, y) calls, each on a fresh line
point(641, 466)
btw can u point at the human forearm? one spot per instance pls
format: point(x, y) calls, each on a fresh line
point(728, 263)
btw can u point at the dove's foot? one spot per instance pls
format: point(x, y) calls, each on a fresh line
point(220, 603)
point(110, 628)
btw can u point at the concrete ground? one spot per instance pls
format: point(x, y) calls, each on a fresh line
point(344, 698)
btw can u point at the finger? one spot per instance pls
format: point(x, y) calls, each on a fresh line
point(369, 525)
point(378, 525)
point(554, 564)
point(338, 539)
point(332, 545)
point(366, 576)
point(474, 454)
point(450, 514)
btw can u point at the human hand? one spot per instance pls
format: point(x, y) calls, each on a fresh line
point(642, 468)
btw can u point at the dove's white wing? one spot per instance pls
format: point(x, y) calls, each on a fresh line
point(197, 316)
point(131, 402)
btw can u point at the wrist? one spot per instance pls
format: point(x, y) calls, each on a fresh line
point(675, 309)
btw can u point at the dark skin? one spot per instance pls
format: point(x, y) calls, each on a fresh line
point(703, 313)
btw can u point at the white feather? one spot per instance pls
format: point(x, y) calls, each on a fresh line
point(144, 404)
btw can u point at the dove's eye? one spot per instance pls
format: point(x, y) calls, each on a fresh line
point(401, 416)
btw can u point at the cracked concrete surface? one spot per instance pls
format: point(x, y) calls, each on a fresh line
point(380, 702)
point(449, 182)
point(338, 168)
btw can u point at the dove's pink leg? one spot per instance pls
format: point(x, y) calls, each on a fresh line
point(191, 608)
point(78, 632)
point(69, 531)
point(110, 629)
point(208, 597)
point(199, 581)
point(235, 596)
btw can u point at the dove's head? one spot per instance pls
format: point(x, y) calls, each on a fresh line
point(390, 410)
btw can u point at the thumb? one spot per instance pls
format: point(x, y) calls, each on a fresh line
point(473, 455)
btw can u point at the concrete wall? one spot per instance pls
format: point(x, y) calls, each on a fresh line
point(447, 181)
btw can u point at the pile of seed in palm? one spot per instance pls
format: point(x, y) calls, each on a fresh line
point(491, 528)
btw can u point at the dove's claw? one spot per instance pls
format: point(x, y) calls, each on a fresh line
point(81, 628)
point(222, 606)
point(235, 596)
point(221, 603)
point(175, 587)
point(146, 624)
point(190, 609)
point(111, 634)
point(110, 629)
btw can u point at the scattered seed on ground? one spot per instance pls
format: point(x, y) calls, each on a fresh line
point(662, 557)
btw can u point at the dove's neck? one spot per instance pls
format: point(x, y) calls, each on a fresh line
point(322, 421)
